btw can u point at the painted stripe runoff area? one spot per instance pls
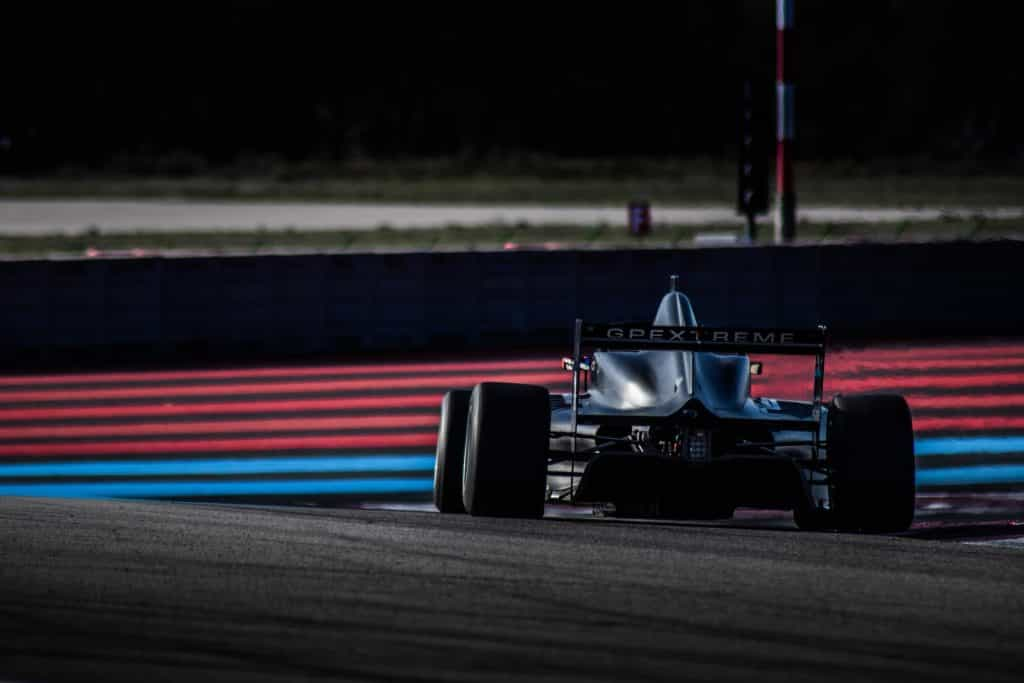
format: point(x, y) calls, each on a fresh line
point(968, 445)
point(222, 466)
point(943, 476)
point(251, 426)
point(362, 429)
point(371, 369)
point(213, 489)
point(306, 386)
point(975, 475)
point(147, 448)
point(164, 409)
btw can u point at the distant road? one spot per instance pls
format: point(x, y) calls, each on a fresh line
point(35, 217)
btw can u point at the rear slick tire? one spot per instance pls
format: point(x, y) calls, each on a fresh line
point(506, 459)
point(451, 444)
point(871, 454)
point(813, 519)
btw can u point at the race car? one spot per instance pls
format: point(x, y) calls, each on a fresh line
point(661, 422)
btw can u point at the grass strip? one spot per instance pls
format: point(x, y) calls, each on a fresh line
point(480, 238)
point(591, 182)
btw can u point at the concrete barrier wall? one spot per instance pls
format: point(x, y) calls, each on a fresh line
point(52, 310)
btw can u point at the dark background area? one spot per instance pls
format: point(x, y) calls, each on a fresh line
point(170, 88)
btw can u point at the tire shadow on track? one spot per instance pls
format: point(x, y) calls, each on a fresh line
point(971, 519)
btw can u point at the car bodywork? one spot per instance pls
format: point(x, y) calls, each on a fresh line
point(661, 420)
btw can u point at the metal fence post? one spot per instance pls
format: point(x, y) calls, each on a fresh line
point(785, 190)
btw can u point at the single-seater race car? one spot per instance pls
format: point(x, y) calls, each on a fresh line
point(661, 423)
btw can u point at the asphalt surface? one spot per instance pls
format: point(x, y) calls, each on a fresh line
point(95, 590)
point(39, 217)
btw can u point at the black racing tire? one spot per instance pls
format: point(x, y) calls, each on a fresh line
point(813, 519)
point(871, 457)
point(506, 458)
point(451, 444)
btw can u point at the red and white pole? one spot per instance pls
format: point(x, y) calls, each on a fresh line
point(785, 127)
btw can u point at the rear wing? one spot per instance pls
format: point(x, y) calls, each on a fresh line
point(721, 340)
point(640, 336)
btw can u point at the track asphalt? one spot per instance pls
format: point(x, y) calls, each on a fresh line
point(150, 591)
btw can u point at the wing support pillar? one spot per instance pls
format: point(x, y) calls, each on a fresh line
point(576, 361)
point(819, 391)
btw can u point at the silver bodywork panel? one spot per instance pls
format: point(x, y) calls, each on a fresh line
point(645, 385)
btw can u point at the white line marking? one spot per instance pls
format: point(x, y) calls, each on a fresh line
point(1016, 543)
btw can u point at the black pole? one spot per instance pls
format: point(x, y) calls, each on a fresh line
point(752, 194)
